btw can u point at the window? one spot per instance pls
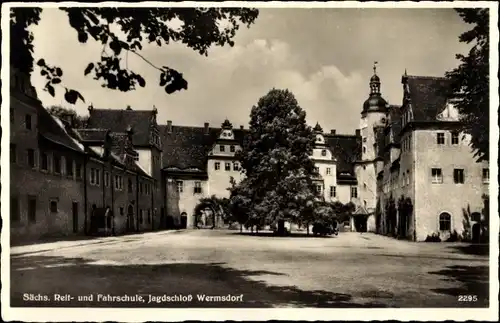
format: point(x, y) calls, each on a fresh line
point(333, 191)
point(31, 158)
point(53, 206)
point(98, 177)
point(217, 166)
point(180, 186)
point(197, 187)
point(44, 163)
point(318, 189)
point(130, 186)
point(121, 211)
point(32, 209)
point(316, 169)
point(106, 179)
point(458, 176)
point(440, 138)
point(437, 176)
point(13, 153)
point(408, 178)
point(119, 182)
point(454, 138)
point(486, 175)
point(222, 148)
point(445, 222)
point(236, 166)
point(364, 150)
point(227, 166)
point(328, 171)
point(69, 166)
point(78, 170)
point(232, 149)
point(15, 216)
point(323, 152)
point(27, 121)
point(57, 164)
point(354, 192)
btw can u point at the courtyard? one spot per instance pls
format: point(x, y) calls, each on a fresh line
point(349, 270)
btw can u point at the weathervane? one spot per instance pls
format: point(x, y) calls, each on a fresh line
point(375, 67)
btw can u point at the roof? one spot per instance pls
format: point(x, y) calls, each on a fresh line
point(346, 149)
point(395, 121)
point(56, 131)
point(428, 96)
point(119, 120)
point(92, 135)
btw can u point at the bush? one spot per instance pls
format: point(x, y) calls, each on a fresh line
point(454, 237)
point(433, 238)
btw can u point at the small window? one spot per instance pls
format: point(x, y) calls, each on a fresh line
point(458, 176)
point(44, 161)
point(27, 120)
point(69, 166)
point(437, 176)
point(354, 192)
point(232, 149)
point(180, 186)
point(486, 175)
point(53, 206)
point(323, 152)
point(57, 163)
point(364, 150)
point(319, 189)
point(106, 179)
point(78, 170)
point(227, 166)
point(455, 140)
point(444, 222)
point(13, 153)
point(328, 171)
point(222, 148)
point(236, 166)
point(32, 209)
point(121, 210)
point(333, 191)
point(15, 215)
point(440, 138)
point(217, 166)
point(31, 158)
point(197, 187)
point(316, 169)
point(130, 186)
point(98, 177)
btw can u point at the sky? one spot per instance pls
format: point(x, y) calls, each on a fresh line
point(323, 56)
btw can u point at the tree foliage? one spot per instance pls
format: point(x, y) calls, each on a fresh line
point(61, 112)
point(122, 31)
point(470, 80)
point(275, 159)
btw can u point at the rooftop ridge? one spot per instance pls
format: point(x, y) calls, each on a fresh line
point(437, 78)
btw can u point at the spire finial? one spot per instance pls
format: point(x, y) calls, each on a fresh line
point(406, 74)
point(375, 67)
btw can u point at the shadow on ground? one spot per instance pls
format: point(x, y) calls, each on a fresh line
point(290, 235)
point(76, 276)
point(474, 280)
point(474, 249)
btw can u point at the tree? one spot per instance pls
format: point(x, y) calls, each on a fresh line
point(275, 160)
point(470, 81)
point(62, 112)
point(122, 31)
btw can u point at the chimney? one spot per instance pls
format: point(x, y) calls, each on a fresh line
point(129, 107)
point(69, 119)
point(333, 131)
point(241, 127)
point(169, 125)
point(358, 132)
point(207, 128)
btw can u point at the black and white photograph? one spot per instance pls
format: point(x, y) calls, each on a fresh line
point(249, 161)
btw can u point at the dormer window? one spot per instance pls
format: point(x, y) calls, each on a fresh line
point(323, 152)
point(222, 148)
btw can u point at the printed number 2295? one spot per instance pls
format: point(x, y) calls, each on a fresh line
point(467, 298)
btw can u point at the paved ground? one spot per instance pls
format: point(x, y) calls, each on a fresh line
point(350, 270)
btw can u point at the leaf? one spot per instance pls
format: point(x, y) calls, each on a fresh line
point(80, 96)
point(115, 47)
point(43, 72)
point(89, 68)
point(71, 96)
point(56, 80)
point(59, 72)
point(51, 90)
point(163, 80)
point(41, 62)
point(141, 81)
point(83, 37)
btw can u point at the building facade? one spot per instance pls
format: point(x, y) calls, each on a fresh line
point(62, 183)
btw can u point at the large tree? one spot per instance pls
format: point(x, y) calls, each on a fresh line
point(470, 80)
point(122, 31)
point(275, 160)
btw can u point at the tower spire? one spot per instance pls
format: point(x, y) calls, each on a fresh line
point(375, 68)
